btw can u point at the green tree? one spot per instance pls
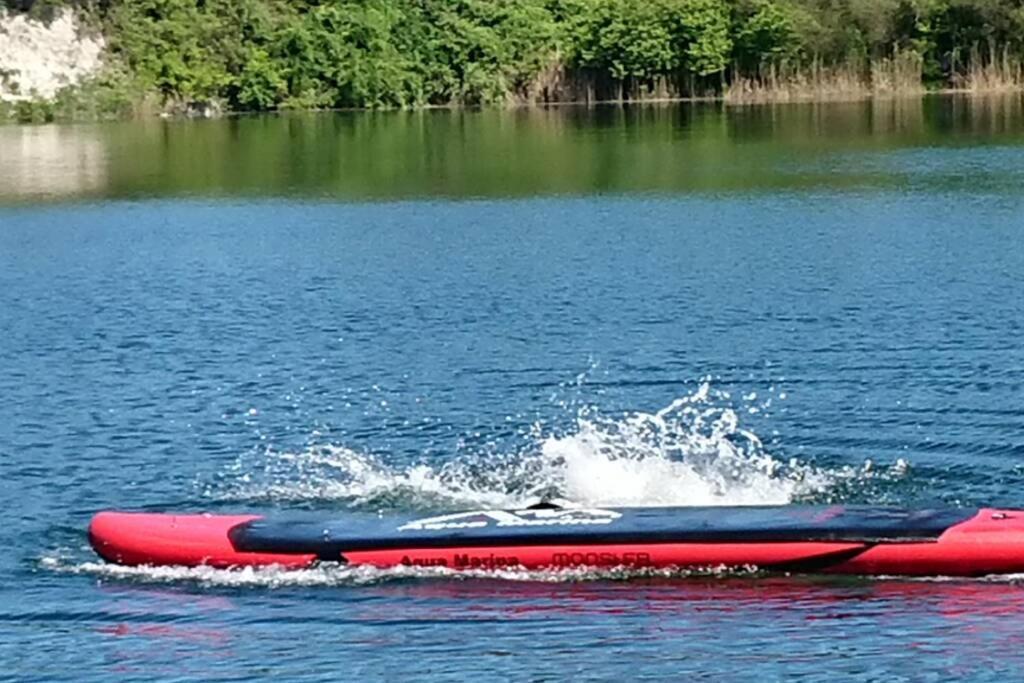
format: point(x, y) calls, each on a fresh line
point(643, 39)
point(765, 31)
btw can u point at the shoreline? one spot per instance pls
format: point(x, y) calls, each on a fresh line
point(811, 99)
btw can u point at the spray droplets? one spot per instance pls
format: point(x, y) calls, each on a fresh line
point(690, 452)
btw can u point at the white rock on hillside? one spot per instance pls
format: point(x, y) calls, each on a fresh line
point(38, 58)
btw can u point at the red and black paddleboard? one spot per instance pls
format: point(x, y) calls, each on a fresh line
point(840, 539)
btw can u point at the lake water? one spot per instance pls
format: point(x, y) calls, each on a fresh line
point(435, 311)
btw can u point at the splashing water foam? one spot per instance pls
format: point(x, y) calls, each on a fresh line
point(337, 575)
point(691, 452)
point(688, 453)
point(330, 575)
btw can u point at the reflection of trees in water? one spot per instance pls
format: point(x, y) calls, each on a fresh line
point(992, 114)
point(914, 116)
point(51, 162)
point(524, 152)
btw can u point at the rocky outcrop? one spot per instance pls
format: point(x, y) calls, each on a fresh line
point(39, 58)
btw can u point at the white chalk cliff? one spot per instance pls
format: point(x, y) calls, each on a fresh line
point(39, 58)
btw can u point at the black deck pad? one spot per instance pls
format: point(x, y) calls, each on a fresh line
point(329, 536)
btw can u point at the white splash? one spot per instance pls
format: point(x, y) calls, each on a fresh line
point(329, 575)
point(691, 452)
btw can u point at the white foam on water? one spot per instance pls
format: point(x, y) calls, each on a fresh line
point(1015, 579)
point(329, 575)
point(690, 452)
point(337, 473)
point(333, 575)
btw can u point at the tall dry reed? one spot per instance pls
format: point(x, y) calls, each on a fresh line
point(993, 70)
point(899, 74)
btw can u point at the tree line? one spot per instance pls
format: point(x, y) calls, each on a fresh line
point(275, 54)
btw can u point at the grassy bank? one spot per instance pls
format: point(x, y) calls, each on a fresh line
point(211, 56)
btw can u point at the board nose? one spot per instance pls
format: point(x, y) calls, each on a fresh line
point(138, 538)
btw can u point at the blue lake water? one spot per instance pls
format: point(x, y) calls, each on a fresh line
point(611, 308)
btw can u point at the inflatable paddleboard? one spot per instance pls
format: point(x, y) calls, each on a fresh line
point(839, 539)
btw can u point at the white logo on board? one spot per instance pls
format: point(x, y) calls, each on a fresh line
point(509, 518)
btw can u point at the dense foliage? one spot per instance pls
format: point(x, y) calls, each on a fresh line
point(269, 54)
point(348, 53)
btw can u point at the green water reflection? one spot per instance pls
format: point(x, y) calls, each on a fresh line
point(566, 150)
